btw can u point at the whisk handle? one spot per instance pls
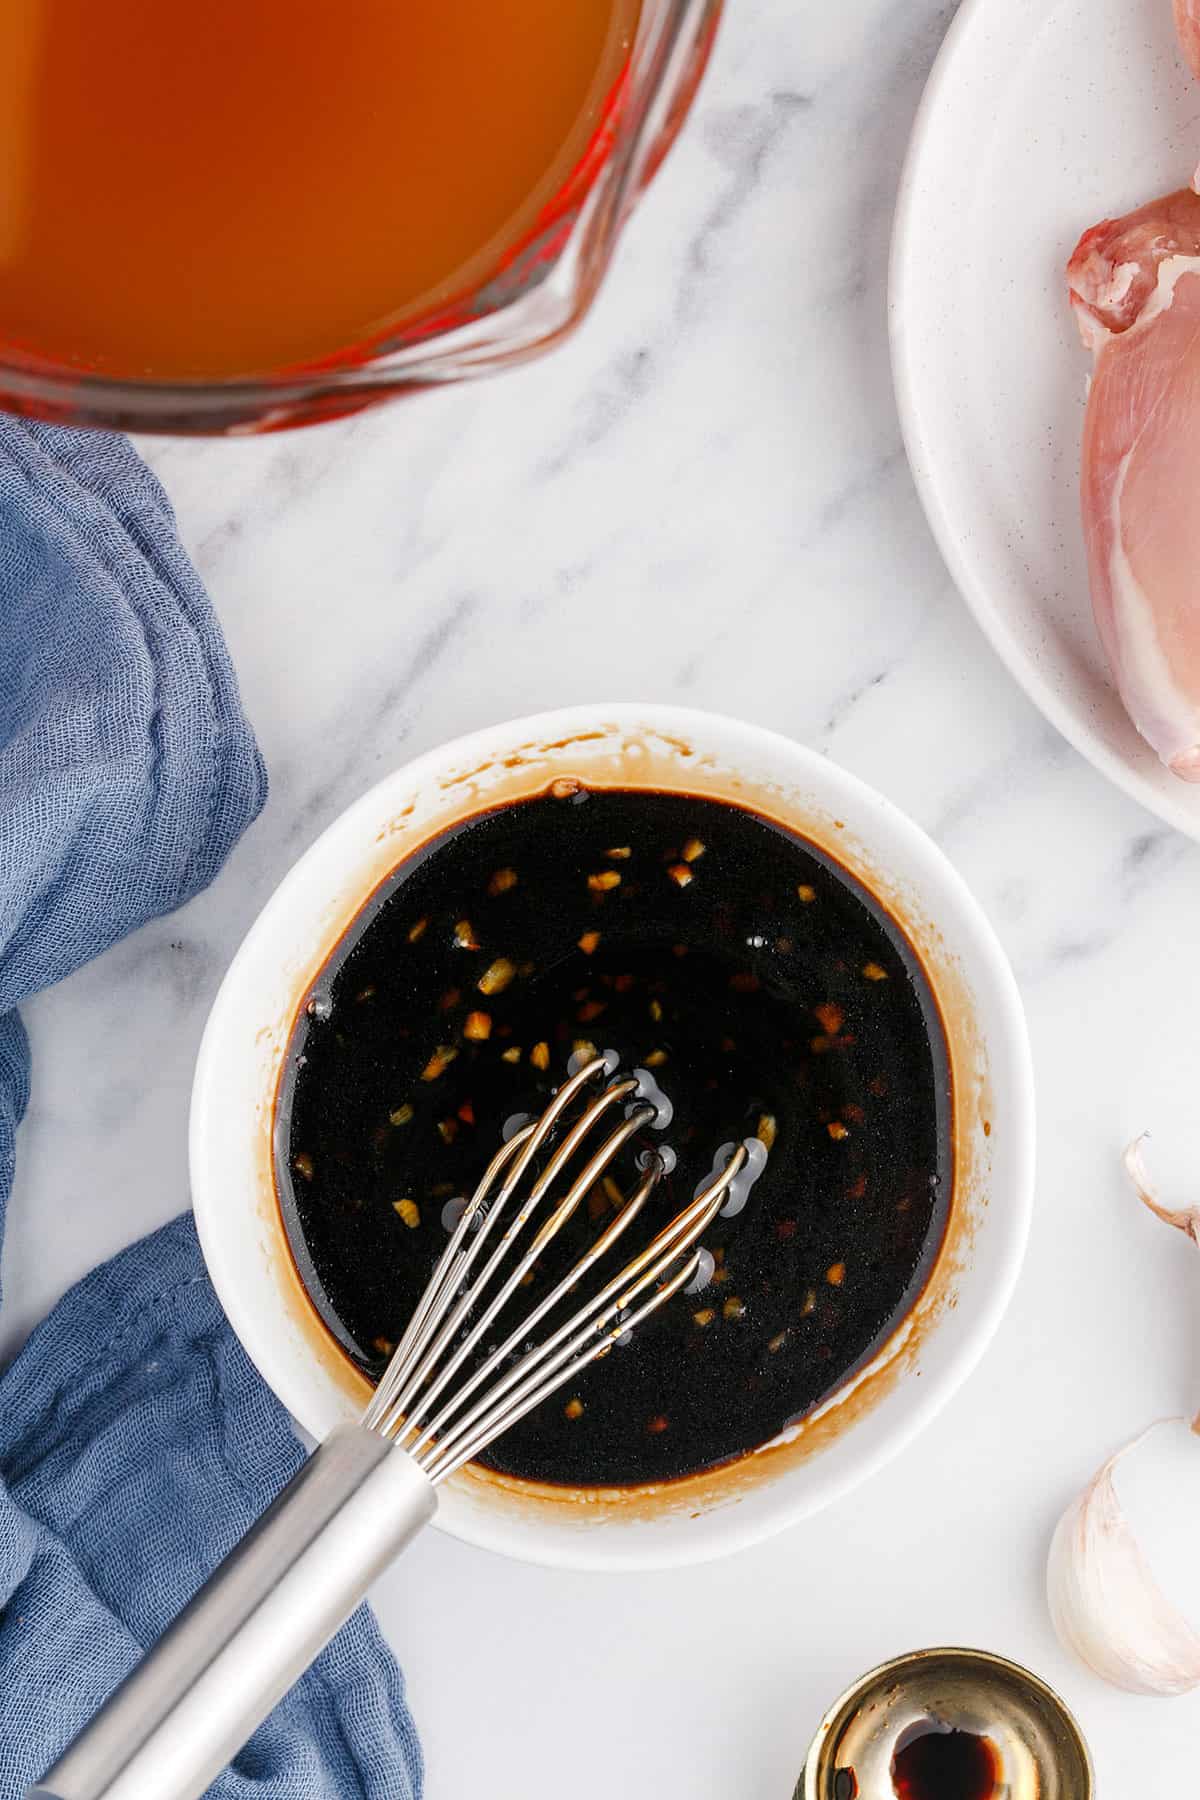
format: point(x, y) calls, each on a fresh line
point(252, 1629)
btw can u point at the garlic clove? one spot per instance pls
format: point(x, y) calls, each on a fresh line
point(1104, 1571)
point(1123, 1577)
point(1183, 1218)
point(1158, 1489)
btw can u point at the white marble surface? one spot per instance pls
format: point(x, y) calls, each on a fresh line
point(703, 498)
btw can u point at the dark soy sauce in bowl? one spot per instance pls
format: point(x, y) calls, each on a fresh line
point(767, 992)
point(937, 1763)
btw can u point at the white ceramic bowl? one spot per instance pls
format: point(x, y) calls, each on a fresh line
point(872, 1415)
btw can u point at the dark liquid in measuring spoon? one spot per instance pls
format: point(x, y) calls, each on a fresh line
point(945, 1765)
point(768, 992)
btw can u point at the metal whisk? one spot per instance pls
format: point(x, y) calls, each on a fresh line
point(447, 1393)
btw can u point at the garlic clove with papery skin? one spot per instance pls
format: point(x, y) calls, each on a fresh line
point(1107, 1565)
point(1183, 1218)
point(1123, 1578)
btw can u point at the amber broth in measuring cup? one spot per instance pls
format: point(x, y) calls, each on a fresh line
point(200, 194)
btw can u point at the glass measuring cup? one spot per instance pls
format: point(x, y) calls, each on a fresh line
point(532, 294)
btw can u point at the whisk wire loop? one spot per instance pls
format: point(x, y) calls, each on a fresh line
point(467, 1242)
point(442, 1426)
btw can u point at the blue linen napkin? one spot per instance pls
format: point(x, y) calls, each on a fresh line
point(137, 1443)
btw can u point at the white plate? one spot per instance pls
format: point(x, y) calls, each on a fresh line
point(1040, 118)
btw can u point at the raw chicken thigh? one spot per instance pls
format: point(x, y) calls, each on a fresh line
point(1135, 288)
point(1187, 23)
